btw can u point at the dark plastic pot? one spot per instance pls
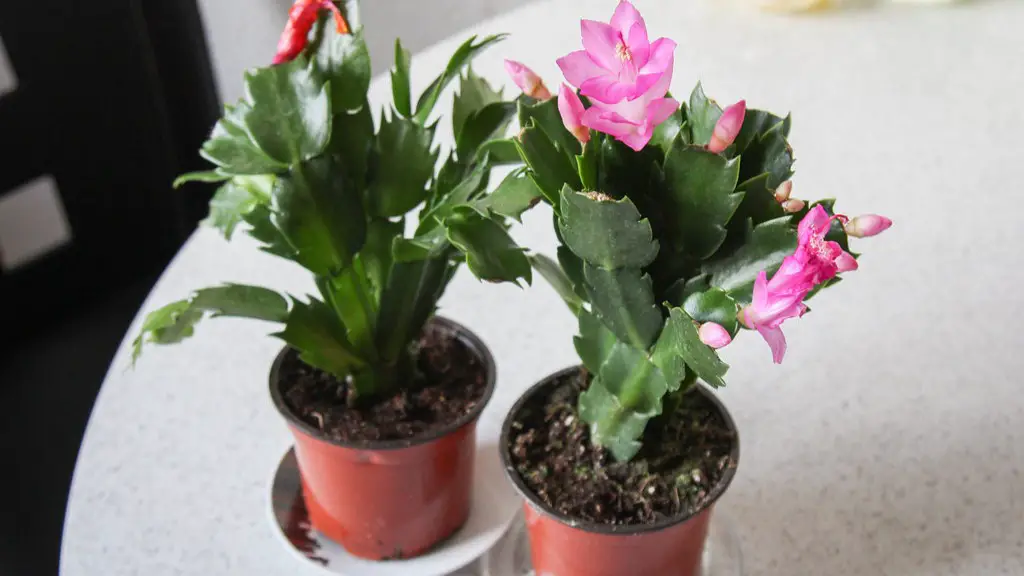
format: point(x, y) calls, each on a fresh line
point(565, 546)
point(389, 499)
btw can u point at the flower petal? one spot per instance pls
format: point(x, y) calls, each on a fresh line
point(659, 110)
point(661, 56)
point(816, 222)
point(846, 262)
point(600, 41)
point(614, 125)
point(607, 90)
point(776, 341)
point(570, 107)
point(578, 67)
point(626, 16)
point(638, 44)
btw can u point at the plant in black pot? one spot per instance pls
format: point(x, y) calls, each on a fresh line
point(677, 228)
point(368, 370)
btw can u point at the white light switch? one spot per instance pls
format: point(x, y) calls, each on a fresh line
point(33, 222)
point(8, 80)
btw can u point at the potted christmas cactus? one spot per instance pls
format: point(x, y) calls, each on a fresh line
point(677, 229)
point(381, 395)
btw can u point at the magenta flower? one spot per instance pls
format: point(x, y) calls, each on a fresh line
point(571, 109)
point(816, 260)
point(625, 76)
point(867, 225)
point(714, 335)
point(768, 310)
point(527, 80)
point(728, 127)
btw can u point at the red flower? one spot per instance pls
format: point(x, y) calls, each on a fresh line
point(301, 18)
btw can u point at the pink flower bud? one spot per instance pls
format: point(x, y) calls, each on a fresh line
point(846, 262)
point(714, 335)
point(571, 108)
point(793, 205)
point(783, 191)
point(867, 225)
point(527, 80)
point(728, 127)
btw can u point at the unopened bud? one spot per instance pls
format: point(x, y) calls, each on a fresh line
point(783, 191)
point(714, 335)
point(793, 205)
point(867, 225)
point(728, 127)
point(527, 80)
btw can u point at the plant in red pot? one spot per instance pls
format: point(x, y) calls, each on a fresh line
point(382, 396)
point(677, 228)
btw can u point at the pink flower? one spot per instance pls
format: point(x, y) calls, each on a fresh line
point(571, 109)
point(816, 260)
point(714, 335)
point(768, 310)
point(867, 225)
point(728, 127)
point(527, 80)
point(625, 76)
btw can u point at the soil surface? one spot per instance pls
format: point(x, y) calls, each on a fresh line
point(685, 456)
point(450, 381)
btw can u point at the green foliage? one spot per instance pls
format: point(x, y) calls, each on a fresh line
point(306, 173)
point(462, 57)
point(176, 321)
point(606, 232)
point(655, 243)
point(400, 81)
point(406, 165)
point(702, 116)
point(701, 199)
point(290, 114)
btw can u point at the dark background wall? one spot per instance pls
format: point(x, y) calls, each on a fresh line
point(113, 99)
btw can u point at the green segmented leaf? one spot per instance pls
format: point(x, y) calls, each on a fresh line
point(545, 115)
point(594, 342)
point(516, 194)
point(320, 215)
point(605, 232)
point(462, 57)
point(700, 200)
point(765, 248)
point(491, 254)
point(681, 337)
point(702, 116)
point(624, 396)
point(343, 61)
point(624, 300)
point(231, 148)
point(714, 305)
point(290, 118)
point(406, 165)
point(314, 330)
point(176, 321)
point(400, 80)
point(551, 169)
point(474, 94)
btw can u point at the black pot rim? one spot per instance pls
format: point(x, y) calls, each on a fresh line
point(463, 334)
point(610, 529)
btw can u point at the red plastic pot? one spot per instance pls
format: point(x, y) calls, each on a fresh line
point(565, 546)
point(389, 499)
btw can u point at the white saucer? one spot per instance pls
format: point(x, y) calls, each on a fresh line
point(722, 555)
point(494, 505)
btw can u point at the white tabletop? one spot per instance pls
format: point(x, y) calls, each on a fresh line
point(890, 442)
